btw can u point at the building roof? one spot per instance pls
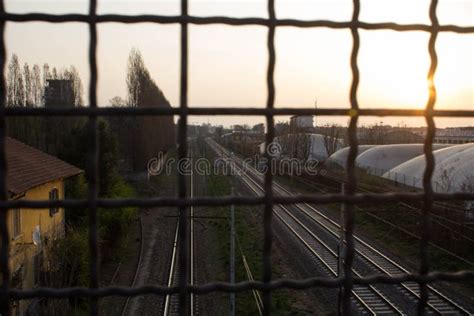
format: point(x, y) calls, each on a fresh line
point(381, 158)
point(29, 167)
point(454, 132)
point(453, 169)
point(340, 156)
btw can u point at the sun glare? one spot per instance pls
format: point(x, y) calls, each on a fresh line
point(393, 69)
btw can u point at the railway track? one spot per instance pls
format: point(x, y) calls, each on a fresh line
point(171, 305)
point(459, 229)
point(367, 298)
point(304, 220)
point(367, 188)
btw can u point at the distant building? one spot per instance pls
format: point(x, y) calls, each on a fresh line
point(242, 136)
point(386, 134)
point(238, 128)
point(281, 128)
point(454, 136)
point(193, 130)
point(33, 175)
point(59, 93)
point(259, 128)
point(301, 123)
point(203, 130)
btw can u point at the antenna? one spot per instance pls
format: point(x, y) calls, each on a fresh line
point(315, 107)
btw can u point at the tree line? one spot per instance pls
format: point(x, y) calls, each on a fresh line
point(133, 139)
point(26, 85)
point(142, 137)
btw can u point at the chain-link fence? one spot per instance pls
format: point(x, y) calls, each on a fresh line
point(92, 203)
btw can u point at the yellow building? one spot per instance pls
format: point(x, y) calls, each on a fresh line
point(33, 175)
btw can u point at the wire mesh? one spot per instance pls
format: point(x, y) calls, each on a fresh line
point(350, 197)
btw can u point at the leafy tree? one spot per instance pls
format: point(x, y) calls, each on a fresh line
point(111, 184)
point(108, 153)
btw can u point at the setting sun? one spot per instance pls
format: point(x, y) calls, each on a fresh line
point(239, 157)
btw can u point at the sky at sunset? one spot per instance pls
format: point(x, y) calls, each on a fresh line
point(228, 64)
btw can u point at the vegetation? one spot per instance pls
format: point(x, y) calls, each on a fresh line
point(111, 185)
point(73, 251)
point(133, 133)
point(68, 139)
point(142, 89)
point(25, 86)
point(249, 244)
point(368, 222)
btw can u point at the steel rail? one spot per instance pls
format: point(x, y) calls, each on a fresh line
point(412, 209)
point(174, 255)
point(411, 287)
point(191, 241)
point(362, 298)
point(367, 188)
point(92, 19)
point(139, 264)
point(356, 291)
point(357, 240)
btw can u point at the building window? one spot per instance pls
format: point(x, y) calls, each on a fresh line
point(53, 195)
point(16, 215)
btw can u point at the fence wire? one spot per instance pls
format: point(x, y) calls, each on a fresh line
point(267, 285)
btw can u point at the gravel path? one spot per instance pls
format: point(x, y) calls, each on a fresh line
point(113, 275)
point(157, 240)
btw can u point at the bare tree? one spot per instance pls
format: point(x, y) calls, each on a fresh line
point(60, 267)
point(37, 87)
point(54, 74)
point(331, 138)
point(136, 72)
point(144, 92)
point(117, 102)
point(16, 89)
point(46, 74)
point(73, 75)
point(28, 85)
point(446, 181)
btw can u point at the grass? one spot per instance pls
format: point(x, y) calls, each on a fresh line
point(250, 244)
point(398, 242)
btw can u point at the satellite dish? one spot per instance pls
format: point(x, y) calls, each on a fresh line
point(36, 236)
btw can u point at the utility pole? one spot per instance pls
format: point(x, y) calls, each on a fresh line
point(340, 253)
point(232, 256)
